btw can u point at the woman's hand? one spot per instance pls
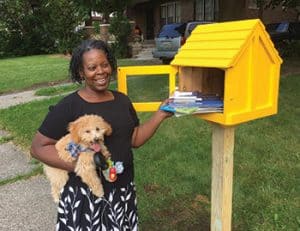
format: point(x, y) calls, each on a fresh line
point(163, 113)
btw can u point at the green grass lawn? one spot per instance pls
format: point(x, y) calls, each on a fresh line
point(173, 170)
point(31, 71)
point(26, 72)
point(155, 91)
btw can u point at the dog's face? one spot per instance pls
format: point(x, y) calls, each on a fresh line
point(89, 130)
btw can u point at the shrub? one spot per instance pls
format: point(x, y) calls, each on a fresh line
point(289, 48)
point(120, 28)
point(39, 27)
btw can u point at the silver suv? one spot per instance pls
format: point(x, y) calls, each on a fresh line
point(171, 37)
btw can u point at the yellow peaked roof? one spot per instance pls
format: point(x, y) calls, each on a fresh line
point(221, 44)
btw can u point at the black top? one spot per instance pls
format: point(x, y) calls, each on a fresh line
point(119, 113)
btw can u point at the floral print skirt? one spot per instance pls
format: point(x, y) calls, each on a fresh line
point(80, 210)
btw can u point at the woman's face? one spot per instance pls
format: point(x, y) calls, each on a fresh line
point(96, 70)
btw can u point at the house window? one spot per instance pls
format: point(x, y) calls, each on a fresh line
point(170, 13)
point(205, 9)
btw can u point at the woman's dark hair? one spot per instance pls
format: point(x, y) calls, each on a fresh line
point(76, 64)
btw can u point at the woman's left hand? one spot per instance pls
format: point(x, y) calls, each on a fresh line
point(165, 114)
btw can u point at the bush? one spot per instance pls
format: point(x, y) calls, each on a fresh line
point(289, 48)
point(3, 42)
point(45, 27)
point(120, 28)
point(67, 44)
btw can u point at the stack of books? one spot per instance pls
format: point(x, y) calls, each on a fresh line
point(195, 102)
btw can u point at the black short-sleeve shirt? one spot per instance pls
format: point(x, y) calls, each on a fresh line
point(119, 113)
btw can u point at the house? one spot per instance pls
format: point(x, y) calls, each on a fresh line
point(150, 15)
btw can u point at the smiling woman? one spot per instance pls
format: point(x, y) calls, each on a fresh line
point(96, 72)
point(92, 64)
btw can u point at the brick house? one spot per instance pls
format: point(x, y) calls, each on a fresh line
point(150, 15)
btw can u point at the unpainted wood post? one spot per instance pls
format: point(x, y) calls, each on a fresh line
point(222, 177)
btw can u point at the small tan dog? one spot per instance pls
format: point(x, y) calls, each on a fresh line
point(85, 137)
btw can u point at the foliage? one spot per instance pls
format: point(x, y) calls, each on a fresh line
point(106, 7)
point(119, 23)
point(19, 23)
point(96, 25)
point(43, 26)
point(64, 19)
point(3, 39)
point(288, 48)
point(285, 4)
point(120, 28)
point(40, 27)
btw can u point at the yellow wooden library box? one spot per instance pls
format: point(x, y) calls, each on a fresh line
point(236, 60)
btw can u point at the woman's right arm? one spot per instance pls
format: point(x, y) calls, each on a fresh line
point(43, 149)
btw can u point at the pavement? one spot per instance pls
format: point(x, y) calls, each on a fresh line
point(18, 98)
point(25, 204)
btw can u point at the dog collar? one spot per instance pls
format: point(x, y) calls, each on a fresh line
point(74, 149)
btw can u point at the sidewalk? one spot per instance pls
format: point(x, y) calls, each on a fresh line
point(18, 98)
point(25, 204)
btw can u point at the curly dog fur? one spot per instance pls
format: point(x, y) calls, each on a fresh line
point(87, 131)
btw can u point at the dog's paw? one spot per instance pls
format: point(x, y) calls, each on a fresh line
point(56, 200)
point(98, 192)
point(107, 154)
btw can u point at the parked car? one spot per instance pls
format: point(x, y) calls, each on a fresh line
point(171, 37)
point(167, 42)
point(284, 31)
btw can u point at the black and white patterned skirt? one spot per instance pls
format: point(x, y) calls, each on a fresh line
point(80, 210)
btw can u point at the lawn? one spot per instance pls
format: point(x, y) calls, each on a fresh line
point(41, 70)
point(26, 72)
point(173, 170)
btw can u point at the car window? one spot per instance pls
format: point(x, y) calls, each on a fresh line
point(283, 27)
point(192, 25)
point(169, 30)
point(272, 26)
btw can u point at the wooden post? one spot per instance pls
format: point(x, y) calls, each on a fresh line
point(222, 174)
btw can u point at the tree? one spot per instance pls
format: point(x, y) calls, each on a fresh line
point(38, 26)
point(119, 23)
point(291, 4)
point(64, 19)
point(18, 25)
point(285, 4)
point(120, 28)
point(91, 5)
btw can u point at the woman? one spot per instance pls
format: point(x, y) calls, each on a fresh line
point(93, 63)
